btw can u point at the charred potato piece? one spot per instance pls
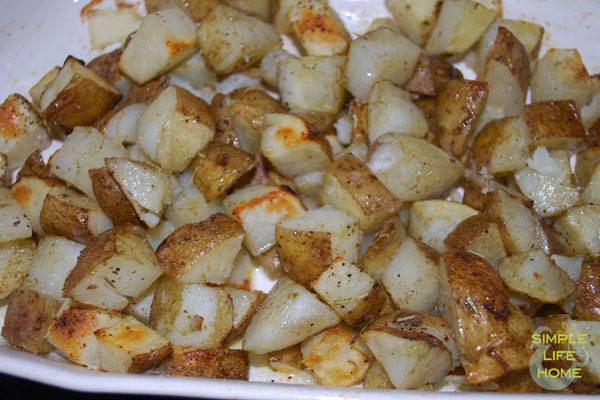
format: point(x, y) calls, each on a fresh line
point(209, 363)
point(15, 261)
point(415, 18)
point(383, 248)
point(555, 124)
point(112, 199)
point(587, 305)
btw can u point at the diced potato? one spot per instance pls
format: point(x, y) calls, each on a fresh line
point(334, 359)
point(459, 106)
point(72, 332)
point(561, 75)
point(196, 9)
point(13, 219)
point(351, 293)
point(416, 18)
point(140, 306)
point(289, 314)
point(432, 220)
point(33, 166)
point(501, 147)
point(269, 66)
point(473, 301)
point(318, 28)
point(202, 252)
point(15, 261)
point(376, 377)
point(430, 74)
point(191, 314)
point(524, 303)
point(307, 244)
point(287, 361)
point(411, 168)
point(28, 316)
point(414, 349)
point(209, 363)
point(107, 66)
point(110, 26)
point(309, 184)
point(259, 208)
point(123, 126)
point(478, 234)
point(164, 39)
point(40, 87)
point(577, 231)
point(350, 186)
point(175, 127)
point(245, 304)
point(30, 192)
point(231, 40)
point(382, 54)
point(73, 215)
point(280, 8)
point(21, 130)
point(587, 305)
point(535, 275)
point(460, 24)
point(591, 193)
point(587, 160)
point(130, 346)
point(383, 248)
point(549, 182)
point(555, 124)
point(147, 187)
point(116, 265)
point(480, 190)
point(294, 148)
point(84, 149)
point(411, 278)
point(195, 71)
point(391, 110)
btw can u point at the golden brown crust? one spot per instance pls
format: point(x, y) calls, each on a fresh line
point(64, 218)
point(209, 363)
point(554, 124)
point(508, 50)
point(112, 199)
point(587, 305)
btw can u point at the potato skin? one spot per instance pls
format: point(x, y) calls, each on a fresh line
point(430, 74)
point(209, 363)
point(383, 248)
point(65, 219)
point(554, 124)
point(107, 66)
point(34, 166)
point(587, 305)
point(509, 51)
point(111, 198)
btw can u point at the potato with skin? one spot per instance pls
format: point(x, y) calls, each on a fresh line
point(27, 319)
point(111, 198)
point(34, 166)
point(587, 305)
point(473, 301)
point(245, 304)
point(309, 243)
point(383, 248)
point(196, 9)
point(209, 363)
point(480, 191)
point(15, 260)
point(107, 66)
point(232, 41)
point(430, 74)
point(202, 252)
point(376, 377)
point(415, 18)
point(577, 231)
point(555, 124)
point(164, 39)
point(591, 193)
point(21, 130)
point(14, 221)
point(587, 161)
point(174, 128)
point(116, 265)
point(288, 360)
point(4, 170)
point(30, 192)
point(40, 87)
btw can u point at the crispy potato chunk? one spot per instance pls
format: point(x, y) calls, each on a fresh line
point(474, 302)
point(111, 198)
point(415, 18)
point(209, 363)
point(587, 305)
point(555, 124)
point(383, 248)
point(27, 319)
point(34, 166)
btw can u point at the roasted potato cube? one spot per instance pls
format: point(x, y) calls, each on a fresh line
point(21, 130)
point(310, 184)
point(478, 234)
point(147, 187)
point(111, 198)
point(116, 264)
point(430, 74)
point(577, 231)
point(107, 66)
point(245, 304)
point(196, 9)
point(391, 110)
point(307, 244)
point(413, 349)
point(13, 219)
point(84, 149)
point(384, 247)
point(561, 75)
point(40, 87)
point(293, 146)
point(191, 314)
point(288, 360)
point(269, 66)
point(535, 275)
point(555, 124)
point(312, 83)
point(411, 278)
point(432, 220)
point(231, 40)
point(130, 346)
point(549, 182)
point(34, 166)
point(171, 36)
point(587, 160)
point(591, 193)
point(27, 319)
point(15, 260)
point(351, 293)
point(72, 332)
point(108, 27)
point(459, 25)
point(501, 147)
point(415, 18)
point(54, 257)
point(376, 377)
point(30, 192)
point(195, 71)
point(77, 96)
point(480, 191)
point(318, 28)
point(175, 127)
point(587, 305)
point(382, 54)
point(123, 126)
point(280, 8)
point(288, 315)
point(209, 363)
point(259, 208)
point(459, 105)
point(473, 301)
point(411, 168)
point(202, 252)
point(333, 357)
point(350, 186)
